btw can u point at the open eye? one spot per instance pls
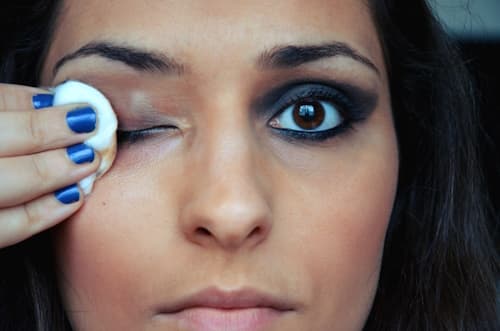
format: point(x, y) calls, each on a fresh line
point(310, 115)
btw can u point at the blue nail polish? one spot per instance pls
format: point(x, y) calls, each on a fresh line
point(81, 120)
point(42, 101)
point(80, 153)
point(68, 195)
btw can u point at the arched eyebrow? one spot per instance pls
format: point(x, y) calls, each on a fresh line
point(279, 57)
point(293, 56)
point(136, 58)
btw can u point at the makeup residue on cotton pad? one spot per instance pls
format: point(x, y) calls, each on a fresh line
point(104, 139)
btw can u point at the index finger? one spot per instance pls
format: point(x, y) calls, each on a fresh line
point(23, 98)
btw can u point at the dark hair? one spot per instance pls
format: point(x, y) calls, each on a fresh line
point(440, 263)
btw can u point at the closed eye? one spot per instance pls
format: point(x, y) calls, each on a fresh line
point(135, 136)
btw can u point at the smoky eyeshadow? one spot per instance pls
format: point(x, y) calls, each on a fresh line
point(358, 102)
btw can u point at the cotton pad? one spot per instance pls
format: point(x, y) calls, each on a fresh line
point(104, 139)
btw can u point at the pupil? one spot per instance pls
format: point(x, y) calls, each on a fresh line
point(306, 111)
point(309, 115)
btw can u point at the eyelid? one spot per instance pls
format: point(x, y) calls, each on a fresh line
point(313, 91)
point(352, 104)
point(133, 136)
point(135, 118)
point(360, 100)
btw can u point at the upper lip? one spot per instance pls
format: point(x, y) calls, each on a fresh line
point(213, 297)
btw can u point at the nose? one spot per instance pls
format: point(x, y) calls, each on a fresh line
point(227, 208)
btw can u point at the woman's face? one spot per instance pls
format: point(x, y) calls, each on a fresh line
point(261, 199)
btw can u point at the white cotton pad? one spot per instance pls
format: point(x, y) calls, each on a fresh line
point(104, 139)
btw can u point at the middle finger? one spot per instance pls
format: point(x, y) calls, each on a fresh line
point(35, 131)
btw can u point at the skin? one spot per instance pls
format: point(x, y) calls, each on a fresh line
point(221, 200)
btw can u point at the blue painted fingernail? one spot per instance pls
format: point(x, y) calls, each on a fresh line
point(81, 120)
point(80, 153)
point(68, 195)
point(42, 101)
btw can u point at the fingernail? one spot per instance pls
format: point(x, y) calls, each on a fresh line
point(80, 153)
point(81, 120)
point(68, 195)
point(42, 101)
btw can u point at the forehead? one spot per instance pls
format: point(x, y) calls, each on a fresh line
point(220, 27)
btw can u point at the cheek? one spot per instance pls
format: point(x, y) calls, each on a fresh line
point(105, 251)
point(330, 210)
point(340, 217)
point(347, 231)
point(342, 261)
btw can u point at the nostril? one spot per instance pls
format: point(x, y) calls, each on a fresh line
point(203, 232)
point(255, 232)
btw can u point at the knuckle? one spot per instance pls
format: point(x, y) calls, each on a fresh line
point(30, 216)
point(35, 131)
point(40, 168)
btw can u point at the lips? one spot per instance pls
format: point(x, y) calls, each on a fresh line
point(215, 310)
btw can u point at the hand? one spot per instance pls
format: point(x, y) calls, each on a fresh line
point(41, 159)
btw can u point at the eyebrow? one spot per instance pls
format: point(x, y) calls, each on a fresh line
point(139, 59)
point(293, 56)
point(279, 57)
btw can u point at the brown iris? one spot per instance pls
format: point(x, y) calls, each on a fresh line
point(308, 115)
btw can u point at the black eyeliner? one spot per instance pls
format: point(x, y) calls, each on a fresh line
point(124, 137)
point(360, 101)
point(304, 137)
point(353, 104)
point(129, 137)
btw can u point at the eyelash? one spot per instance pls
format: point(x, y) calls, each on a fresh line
point(348, 110)
point(353, 105)
point(134, 136)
